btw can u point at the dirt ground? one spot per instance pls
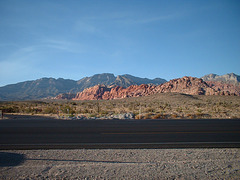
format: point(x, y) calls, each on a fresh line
point(121, 164)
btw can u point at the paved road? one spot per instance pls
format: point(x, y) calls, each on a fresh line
point(27, 133)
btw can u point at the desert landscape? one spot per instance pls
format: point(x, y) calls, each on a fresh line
point(119, 89)
point(157, 106)
point(181, 98)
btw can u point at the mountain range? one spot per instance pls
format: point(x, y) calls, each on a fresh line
point(50, 87)
point(185, 85)
point(67, 88)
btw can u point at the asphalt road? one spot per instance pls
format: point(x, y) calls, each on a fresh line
point(46, 133)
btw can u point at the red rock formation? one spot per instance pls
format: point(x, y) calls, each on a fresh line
point(93, 93)
point(116, 92)
point(186, 85)
point(132, 91)
point(224, 89)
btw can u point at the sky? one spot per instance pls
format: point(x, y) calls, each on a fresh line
point(156, 38)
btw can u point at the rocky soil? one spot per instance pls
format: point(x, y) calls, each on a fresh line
point(121, 164)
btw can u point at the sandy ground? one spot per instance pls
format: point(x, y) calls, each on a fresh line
point(121, 164)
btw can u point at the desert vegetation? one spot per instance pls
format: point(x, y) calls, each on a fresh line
point(158, 106)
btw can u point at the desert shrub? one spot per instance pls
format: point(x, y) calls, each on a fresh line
point(49, 110)
point(234, 117)
point(199, 115)
point(179, 109)
point(164, 116)
point(138, 116)
point(191, 116)
point(93, 115)
point(157, 116)
point(68, 110)
point(103, 112)
point(160, 116)
point(10, 109)
point(174, 116)
point(148, 116)
point(29, 110)
point(85, 111)
point(198, 105)
point(109, 106)
point(149, 110)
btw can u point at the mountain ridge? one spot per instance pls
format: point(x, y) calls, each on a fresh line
point(51, 87)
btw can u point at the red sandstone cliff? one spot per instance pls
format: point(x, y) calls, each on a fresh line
point(117, 92)
point(186, 85)
point(92, 93)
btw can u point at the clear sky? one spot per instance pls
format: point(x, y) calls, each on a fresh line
point(145, 38)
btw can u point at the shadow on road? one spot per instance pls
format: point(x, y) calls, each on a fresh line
point(11, 159)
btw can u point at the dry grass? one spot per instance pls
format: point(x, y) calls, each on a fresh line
point(158, 106)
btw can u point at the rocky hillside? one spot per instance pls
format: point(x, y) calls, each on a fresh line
point(227, 78)
point(185, 85)
point(223, 87)
point(50, 87)
point(65, 96)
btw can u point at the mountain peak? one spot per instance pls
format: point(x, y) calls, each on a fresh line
point(230, 78)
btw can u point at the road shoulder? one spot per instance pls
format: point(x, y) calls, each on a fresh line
point(211, 163)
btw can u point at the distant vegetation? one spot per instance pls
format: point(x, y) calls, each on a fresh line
point(158, 106)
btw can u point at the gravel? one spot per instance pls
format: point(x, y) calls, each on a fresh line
point(121, 164)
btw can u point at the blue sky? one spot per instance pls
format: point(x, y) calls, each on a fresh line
point(77, 38)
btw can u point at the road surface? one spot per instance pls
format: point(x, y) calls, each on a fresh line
point(47, 133)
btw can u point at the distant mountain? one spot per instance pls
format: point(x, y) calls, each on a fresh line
point(50, 87)
point(227, 78)
point(40, 88)
point(105, 78)
point(121, 80)
point(127, 80)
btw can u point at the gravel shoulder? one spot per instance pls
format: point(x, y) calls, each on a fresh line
point(121, 164)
